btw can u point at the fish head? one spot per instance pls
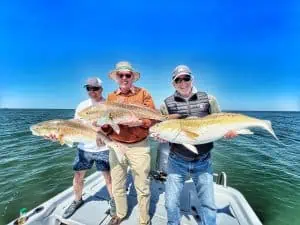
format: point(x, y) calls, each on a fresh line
point(166, 130)
point(46, 128)
point(93, 112)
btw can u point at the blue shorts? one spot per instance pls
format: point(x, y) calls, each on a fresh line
point(84, 160)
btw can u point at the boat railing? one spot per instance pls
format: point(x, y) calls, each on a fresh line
point(221, 178)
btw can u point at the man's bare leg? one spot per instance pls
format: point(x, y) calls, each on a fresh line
point(78, 182)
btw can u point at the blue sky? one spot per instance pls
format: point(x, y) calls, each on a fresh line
point(246, 53)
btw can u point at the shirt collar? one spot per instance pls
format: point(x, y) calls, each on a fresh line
point(132, 90)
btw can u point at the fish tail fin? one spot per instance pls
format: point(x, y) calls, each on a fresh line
point(268, 127)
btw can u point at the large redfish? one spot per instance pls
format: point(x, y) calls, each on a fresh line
point(195, 131)
point(75, 131)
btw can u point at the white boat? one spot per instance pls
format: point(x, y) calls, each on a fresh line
point(233, 209)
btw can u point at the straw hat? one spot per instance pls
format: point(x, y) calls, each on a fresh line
point(124, 66)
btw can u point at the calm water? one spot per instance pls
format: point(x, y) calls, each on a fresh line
point(267, 172)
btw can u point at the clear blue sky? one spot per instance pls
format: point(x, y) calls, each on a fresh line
point(244, 53)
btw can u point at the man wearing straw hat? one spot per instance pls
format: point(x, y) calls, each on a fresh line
point(134, 134)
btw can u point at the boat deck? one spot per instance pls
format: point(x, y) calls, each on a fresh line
point(233, 209)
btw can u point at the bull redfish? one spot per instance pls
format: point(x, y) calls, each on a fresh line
point(194, 131)
point(116, 113)
point(74, 131)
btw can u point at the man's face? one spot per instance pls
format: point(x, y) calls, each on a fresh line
point(183, 84)
point(94, 92)
point(125, 79)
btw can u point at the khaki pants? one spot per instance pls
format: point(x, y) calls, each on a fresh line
point(138, 158)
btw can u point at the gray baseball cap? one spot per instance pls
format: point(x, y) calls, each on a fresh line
point(93, 82)
point(181, 70)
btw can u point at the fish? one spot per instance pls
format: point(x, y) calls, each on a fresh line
point(195, 131)
point(116, 113)
point(74, 131)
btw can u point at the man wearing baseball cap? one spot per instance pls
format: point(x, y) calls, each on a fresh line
point(87, 154)
point(182, 163)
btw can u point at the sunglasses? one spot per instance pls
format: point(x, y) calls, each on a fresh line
point(88, 88)
point(127, 75)
point(185, 79)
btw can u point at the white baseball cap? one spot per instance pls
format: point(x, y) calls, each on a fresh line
point(93, 82)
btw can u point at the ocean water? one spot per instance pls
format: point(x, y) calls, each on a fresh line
point(265, 171)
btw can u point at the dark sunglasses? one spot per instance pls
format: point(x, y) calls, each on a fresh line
point(127, 75)
point(186, 79)
point(88, 88)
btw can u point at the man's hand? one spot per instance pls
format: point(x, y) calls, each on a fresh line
point(99, 141)
point(106, 128)
point(51, 137)
point(230, 134)
point(160, 140)
point(133, 123)
point(99, 129)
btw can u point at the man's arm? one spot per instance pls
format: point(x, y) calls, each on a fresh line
point(164, 109)
point(76, 116)
point(214, 105)
point(148, 101)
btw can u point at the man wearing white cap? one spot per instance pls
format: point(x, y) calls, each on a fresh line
point(182, 163)
point(133, 134)
point(87, 154)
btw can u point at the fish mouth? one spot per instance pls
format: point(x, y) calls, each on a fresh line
point(33, 129)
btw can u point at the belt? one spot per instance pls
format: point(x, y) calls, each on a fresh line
point(130, 143)
point(188, 158)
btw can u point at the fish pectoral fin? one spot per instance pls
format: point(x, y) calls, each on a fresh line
point(115, 127)
point(61, 140)
point(68, 143)
point(192, 117)
point(190, 147)
point(190, 134)
point(244, 131)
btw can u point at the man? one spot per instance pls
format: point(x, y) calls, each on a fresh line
point(187, 101)
point(87, 154)
point(134, 134)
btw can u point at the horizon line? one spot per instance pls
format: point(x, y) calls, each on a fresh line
point(225, 110)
